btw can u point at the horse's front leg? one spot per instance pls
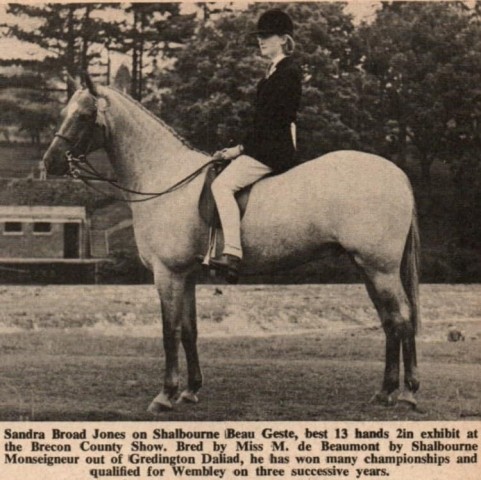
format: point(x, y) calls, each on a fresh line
point(172, 291)
point(189, 342)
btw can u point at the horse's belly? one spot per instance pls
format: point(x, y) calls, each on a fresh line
point(283, 232)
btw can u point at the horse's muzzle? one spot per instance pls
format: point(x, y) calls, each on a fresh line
point(54, 160)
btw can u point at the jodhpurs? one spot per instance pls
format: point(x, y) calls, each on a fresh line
point(240, 173)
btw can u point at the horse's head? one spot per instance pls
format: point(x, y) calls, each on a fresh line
point(81, 130)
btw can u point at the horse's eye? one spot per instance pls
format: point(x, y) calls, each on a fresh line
point(85, 117)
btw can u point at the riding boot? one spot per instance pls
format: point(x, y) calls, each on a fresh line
point(228, 265)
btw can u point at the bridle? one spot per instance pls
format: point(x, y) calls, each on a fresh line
point(80, 168)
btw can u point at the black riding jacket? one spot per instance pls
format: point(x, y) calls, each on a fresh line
point(278, 96)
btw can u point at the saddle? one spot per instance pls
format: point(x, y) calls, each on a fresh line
point(207, 206)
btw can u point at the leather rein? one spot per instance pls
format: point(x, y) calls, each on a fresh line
point(79, 167)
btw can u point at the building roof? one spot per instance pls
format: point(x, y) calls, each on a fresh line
point(44, 212)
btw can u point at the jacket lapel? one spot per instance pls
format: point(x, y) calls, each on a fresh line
point(266, 80)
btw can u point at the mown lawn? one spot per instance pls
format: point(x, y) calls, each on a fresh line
point(325, 364)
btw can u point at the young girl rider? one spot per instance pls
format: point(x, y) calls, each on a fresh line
point(269, 146)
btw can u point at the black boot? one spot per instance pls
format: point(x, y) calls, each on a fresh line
point(228, 265)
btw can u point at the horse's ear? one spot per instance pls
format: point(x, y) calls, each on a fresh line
point(122, 79)
point(89, 84)
point(73, 84)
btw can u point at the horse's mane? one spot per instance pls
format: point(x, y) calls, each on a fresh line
point(157, 119)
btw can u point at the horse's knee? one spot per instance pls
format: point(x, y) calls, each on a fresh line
point(398, 325)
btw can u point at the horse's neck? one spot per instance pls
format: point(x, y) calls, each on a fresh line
point(145, 154)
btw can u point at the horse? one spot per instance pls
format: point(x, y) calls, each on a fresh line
point(356, 201)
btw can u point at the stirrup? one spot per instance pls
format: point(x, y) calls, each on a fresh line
point(204, 260)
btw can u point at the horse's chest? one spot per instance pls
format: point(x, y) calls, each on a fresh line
point(170, 233)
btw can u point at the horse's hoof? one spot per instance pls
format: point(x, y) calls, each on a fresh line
point(188, 397)
point(407, 396)
point(382, 398)
point(161, 403)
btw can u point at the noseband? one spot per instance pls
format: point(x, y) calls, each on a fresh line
point(75, 161)
point(64, 137)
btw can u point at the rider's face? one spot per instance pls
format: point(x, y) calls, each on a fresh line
point(270, 45)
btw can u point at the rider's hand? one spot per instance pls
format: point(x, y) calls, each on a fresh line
point(228, 153)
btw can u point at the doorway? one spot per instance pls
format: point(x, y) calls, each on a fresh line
point(71, 240)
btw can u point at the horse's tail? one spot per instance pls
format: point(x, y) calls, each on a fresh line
point(410, 269)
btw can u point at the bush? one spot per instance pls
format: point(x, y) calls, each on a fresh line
point(124, 267)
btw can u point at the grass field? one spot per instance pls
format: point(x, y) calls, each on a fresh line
point(311, 352)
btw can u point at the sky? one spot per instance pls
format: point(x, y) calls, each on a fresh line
point(10, 48)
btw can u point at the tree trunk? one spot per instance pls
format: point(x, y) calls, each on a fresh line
point(426, 162)
point(85, 38)
point(135, 58)
point(70, 50)
point(141, 57)
point(402, 145)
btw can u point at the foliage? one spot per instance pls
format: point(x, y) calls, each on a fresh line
point(426, 60)
point(123, 267)
point(149, 29)
point(51, 192)
point(66, 30)
point(405, 85)
point(30, 109)
point(213, 107)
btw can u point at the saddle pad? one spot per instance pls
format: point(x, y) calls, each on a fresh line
point(207, 206)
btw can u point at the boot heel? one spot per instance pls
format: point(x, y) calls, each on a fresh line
point(232, 277)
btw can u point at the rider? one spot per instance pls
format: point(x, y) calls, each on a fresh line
point(269, 146)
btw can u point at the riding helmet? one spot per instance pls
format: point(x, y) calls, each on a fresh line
point(274, 22)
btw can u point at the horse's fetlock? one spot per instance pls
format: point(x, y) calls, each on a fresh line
point(171, 389)
point(391, 382)
point(195, 385)
point(412, 384)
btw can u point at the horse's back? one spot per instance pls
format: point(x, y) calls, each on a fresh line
point(352, 166)
point(343, 177)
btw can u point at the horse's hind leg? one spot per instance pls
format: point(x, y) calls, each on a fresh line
point(189, 342)
point(389, 298)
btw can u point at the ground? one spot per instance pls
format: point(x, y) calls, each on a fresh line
point(305, 352)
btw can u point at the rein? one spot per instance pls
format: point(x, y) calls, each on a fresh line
point(80, 164)
point(80, 168)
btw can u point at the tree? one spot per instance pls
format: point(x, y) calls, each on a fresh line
point(26, 103)
point(149, 30)
point(411, 50)
point(213, 107)
point(67, 30)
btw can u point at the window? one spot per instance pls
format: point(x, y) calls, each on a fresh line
point(42, 228)
point(13, 228)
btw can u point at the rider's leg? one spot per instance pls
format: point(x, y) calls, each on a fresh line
point(243, 171)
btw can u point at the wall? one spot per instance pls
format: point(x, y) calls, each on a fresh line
point(32, 245)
